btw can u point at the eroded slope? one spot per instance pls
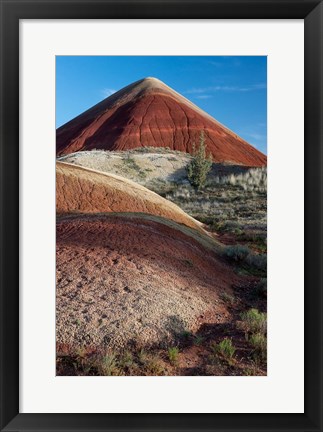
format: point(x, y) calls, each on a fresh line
point(124, 281)
point(81, 190)
point(149, 113)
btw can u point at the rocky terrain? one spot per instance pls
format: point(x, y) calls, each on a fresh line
point(137, 295)
point(123, 280)
point(149, 113)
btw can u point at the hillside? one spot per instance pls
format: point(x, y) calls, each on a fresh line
point(149, 113)
point(130, 279)
point(146, 166)
point(234, 201)
point(81, 190)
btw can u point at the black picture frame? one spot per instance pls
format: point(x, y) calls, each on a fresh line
point(11, 12)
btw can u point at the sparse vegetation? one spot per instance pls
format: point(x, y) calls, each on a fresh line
point(255, 179)
point(259, 343)
point(221, 358)
point(198, 340)
point(107, 365)
point(237, 252)
point(186, 336)
point(200, 166)
point(228, 298)
point(132, 165)
point(251, 263)
point(254, 322)
point(257, 260)
point(150, 363)
point(216, 365)
point(173, 353)
point(126, 360)
point(225, 348)
point(143, 356)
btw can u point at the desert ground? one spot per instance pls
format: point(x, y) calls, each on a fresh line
point(148, 281)
point(233, 204)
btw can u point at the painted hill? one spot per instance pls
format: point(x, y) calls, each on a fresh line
point(82, 190)
point(123, 280)
point(149, 113)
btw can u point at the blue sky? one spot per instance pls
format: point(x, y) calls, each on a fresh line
point(232, 89)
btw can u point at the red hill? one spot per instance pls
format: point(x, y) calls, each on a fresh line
point(149, 113)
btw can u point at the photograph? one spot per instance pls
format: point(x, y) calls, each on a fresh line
point(161, 215)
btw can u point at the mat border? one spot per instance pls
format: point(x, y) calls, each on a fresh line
point(11, 12)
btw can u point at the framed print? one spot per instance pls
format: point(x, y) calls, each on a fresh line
point(170, 164)
point(161, 215)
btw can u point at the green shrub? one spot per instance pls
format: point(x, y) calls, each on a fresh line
point(198, 340)
point(252, 263)
point(237, 253)
point(150, 363)
point(155, 366)
point(131, 163)
point(200, 165)
point(126, 360)
point(108, 366)
point(143, 357)
point(225, 348)
point(186, 334)
point(173, 354)
point(254, 179)
point(257, 260)
point(259, 343)
point(254, 321)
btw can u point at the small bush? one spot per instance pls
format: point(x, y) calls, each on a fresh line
point(198, 340)
point(186, 336)
point(254, 321)
point(200, 166)
point(173, 354)
point(252, 263)
point(259, 343)
point(154, 366)
point(225, 348)
point(250, 180)
point(108, 366)
point(126, 360)
point(228, 298)
point(237, 253)
point(257, 260)
point(143, 357)
point(215, 366)
point(131, 163)
point(151, 363)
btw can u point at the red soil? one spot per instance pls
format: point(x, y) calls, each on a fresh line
point(122, 280)
point(149, 113)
